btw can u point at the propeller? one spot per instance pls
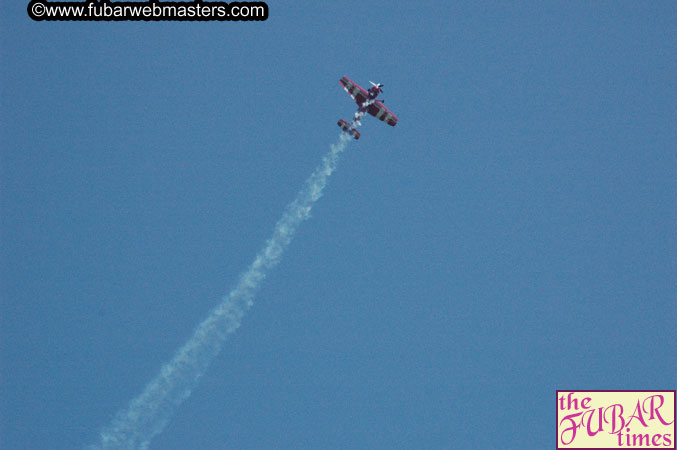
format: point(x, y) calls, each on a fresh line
point(377, 85)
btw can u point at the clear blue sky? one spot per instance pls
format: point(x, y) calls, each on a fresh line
point(514, 234)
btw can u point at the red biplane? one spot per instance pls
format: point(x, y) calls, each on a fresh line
point(367, 103)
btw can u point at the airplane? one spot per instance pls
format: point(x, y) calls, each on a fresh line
point(367, 102)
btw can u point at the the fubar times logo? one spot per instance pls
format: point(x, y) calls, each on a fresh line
point(609, 420)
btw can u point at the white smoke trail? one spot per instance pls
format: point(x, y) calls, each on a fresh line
point(148, 414)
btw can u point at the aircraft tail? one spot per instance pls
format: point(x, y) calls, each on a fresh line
point(345, 126)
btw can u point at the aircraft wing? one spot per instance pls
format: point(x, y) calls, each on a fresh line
point(378, 110)
point(354, 90)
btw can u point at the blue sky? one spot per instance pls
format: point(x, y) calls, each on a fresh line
point(513, 235)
